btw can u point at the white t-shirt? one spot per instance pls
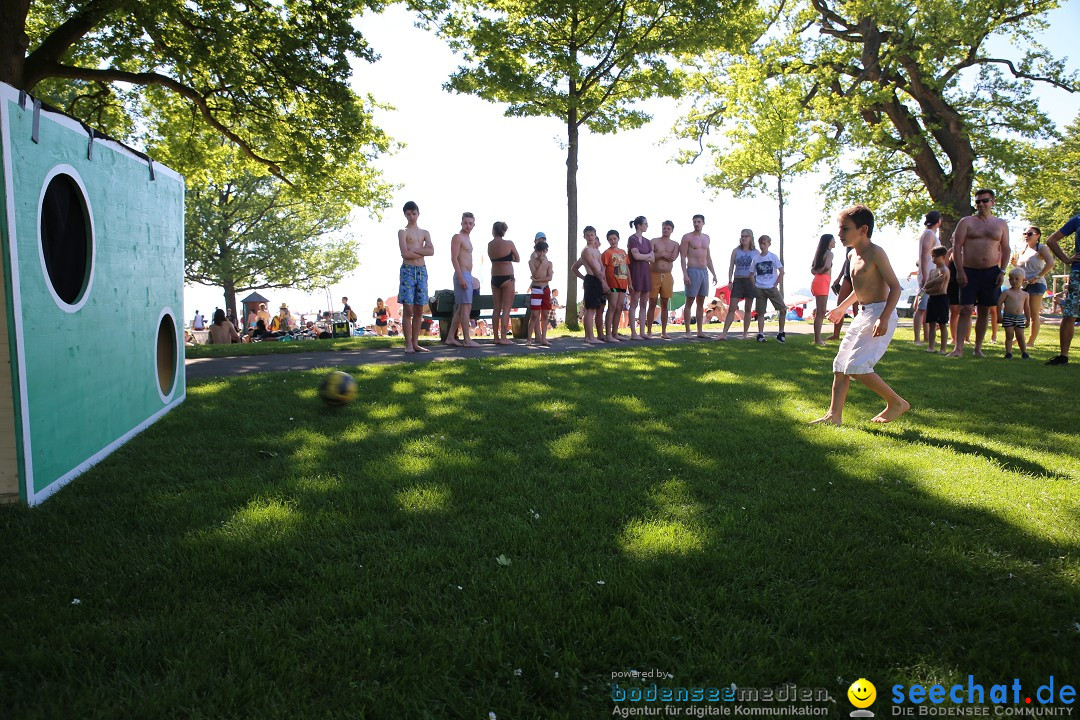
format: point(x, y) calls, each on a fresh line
point(766, 270)
point(199, 323)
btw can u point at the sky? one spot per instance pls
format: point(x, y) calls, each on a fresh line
point(461, 154)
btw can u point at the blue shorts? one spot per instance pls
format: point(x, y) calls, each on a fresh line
point(1038, 288)
point(463, 295)
point(698, 285)
point(923, 300)
point(412, 285)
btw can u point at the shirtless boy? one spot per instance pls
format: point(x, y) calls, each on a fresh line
point(981, 253)
point(415, 245)
point(936, 290)
point(695, 257)
point(876, 289)
point(927, 242)
point(461, 257)
point(540, 295)
point(595, 286)
point(665, 251)
point(1013, 311)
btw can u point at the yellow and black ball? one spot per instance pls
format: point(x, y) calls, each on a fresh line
point(337, 388)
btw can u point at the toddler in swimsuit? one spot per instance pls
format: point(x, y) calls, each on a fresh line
point(1014, 313)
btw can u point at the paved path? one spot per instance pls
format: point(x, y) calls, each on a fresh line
point(220, 367)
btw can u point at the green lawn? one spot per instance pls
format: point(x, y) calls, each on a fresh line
point(503, 535)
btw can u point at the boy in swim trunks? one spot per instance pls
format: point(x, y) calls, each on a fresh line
point(1013, 309)
point(936, 289)
point(662, 288)
point(876, 289)
point(617, 274)
point(415, 245)
point(540, 295)
point(595, 286)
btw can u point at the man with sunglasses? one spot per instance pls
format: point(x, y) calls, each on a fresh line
point(981, 253)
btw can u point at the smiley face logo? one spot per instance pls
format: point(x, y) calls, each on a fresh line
point(862, 693)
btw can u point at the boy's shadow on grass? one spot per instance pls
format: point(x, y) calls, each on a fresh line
point(1008, 462)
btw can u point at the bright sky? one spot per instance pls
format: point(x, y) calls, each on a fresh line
point(461, 154)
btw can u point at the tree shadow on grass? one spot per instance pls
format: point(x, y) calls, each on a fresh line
point(685, 520)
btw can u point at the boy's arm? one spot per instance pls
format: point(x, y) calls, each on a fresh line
point(576, 268)
point(406, 253)
point(427, 249)
point(881, 260)
point(1053, 242)
point(455, 247)
point(548, 270)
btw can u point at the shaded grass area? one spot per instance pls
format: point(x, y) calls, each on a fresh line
point(257, 553)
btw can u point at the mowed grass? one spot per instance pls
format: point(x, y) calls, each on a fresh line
point(503, 535)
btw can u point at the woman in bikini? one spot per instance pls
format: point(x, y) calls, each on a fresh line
point(503, 255)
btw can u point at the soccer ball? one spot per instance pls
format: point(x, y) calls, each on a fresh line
point(337, 388)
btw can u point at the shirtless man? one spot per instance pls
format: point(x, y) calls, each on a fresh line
point(927, 242)
point(694, 258)
point(415, 245)
point(596, 288)
point(665, 251)
point(981, 253)
point(877, 290)
point(461, 257)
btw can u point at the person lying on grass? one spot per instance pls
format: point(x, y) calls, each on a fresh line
point(876, 289)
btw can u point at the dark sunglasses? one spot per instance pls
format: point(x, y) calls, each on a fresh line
point(980, 201)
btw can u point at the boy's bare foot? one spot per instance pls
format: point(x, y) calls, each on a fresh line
point(826, 418)
point(665, 336)
point(891, 412)
point(956, 353)
point(821, 343)
point(409, 350)
point(591, 341)
point(944, 351)
point(722, 336)
point(931, 349)
point(420, 348)
point(545, 343)
point(702, 335)
point(979, 353)
point(471, 343)
point(451, 341)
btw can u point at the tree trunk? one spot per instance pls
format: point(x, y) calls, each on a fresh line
point(780, 197)
point(13, 41)
point(571, 217)
point(229, 285)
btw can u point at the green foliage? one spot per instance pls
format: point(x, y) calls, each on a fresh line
point(919, 108)
point(271, 76)
point(1047, 187)
point(246, 228)
point(584, 61)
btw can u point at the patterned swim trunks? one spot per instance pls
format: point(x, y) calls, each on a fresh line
point(1013, 321)
point(412, 285)
point(1070, 306)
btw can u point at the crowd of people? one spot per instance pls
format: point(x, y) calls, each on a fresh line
point(954, 284)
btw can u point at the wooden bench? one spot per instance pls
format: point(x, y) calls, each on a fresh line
point(442, 309)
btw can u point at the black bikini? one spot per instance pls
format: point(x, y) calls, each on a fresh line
point(497, 281)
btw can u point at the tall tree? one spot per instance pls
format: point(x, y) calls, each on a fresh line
point(586, 62)
point(1047, 187)
point(923, 106)
point(247, 229)
point(768, 132)
point(272, 77)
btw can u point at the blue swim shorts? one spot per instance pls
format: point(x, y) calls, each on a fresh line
point(412, 285)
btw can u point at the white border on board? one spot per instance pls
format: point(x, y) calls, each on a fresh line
point(64, 169)
point(101, 454)
point(25, 486)
point(179, 345)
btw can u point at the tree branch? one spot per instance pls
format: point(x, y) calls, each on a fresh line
point(150, 78)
